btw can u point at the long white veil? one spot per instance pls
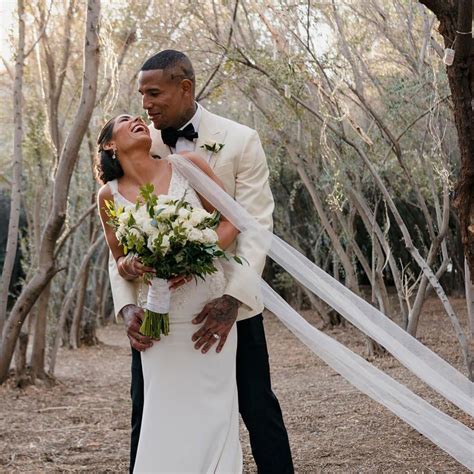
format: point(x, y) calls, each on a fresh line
point(446, 432)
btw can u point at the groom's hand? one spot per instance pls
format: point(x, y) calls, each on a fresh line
point(133, 316)
point(220, 314)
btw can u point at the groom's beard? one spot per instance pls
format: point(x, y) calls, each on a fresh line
point(179, 122)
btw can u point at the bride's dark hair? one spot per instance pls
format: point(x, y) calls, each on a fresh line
point(107, 166)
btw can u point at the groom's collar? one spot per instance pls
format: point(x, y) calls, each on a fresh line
point(209, 131)
point(195, 119)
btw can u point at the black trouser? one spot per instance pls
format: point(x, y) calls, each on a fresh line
point(258, 405)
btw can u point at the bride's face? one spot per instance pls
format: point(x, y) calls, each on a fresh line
point(130, 133)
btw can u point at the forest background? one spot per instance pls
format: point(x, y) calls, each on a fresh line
point(367, 127)
point(357, 113)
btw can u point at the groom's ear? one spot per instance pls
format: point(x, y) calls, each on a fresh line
point(187, 86)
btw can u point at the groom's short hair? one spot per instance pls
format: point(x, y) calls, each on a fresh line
point(176, 63)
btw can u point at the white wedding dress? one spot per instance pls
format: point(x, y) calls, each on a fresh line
point(190, 418)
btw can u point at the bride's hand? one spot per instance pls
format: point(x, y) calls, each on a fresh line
point(130, 267)
point(178, 281)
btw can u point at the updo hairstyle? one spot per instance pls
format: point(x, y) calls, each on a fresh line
point(107, 166)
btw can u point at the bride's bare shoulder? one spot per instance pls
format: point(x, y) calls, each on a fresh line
point(104, 193)
point(198, 160)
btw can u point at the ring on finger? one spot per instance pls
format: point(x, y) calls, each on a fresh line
point(216, 336)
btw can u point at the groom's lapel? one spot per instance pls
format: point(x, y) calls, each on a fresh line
point(209, 132)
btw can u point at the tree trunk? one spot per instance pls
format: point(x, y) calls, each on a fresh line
point(74, 335)
point(461, 82)
point(339, 251)
point(369, 220)
point(455, 25)
point(57, 215)
point(105, 315)
point(39, 342)
point(82, 280)
point(15, 199)
point(21, 377)
point(69, 301)
point(469, 298)
point(63, 313)
point(102, 283)
point(89, 332)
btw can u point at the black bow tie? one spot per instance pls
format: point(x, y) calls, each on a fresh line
point(170, 135)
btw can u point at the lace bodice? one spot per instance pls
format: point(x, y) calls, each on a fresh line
point(184, 298)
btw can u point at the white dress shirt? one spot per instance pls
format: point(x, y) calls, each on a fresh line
point(183, 144)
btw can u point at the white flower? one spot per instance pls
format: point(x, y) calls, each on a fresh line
point(161, 227)
point(187, 226)
point(124, 216)
point(121, 231)
point(198, 215)
point(164, 199)
point(137, 234)
point(153, 232)
point(177, 222)
point(183, 213)
point(210, 236)
point(165, 243)
point(167, 212)
point(140, 215)
point(144, 222)
point(184, 225)
point(195, 235)
point(151, 243)
point(212, 145)
point(153, 227)
point(159, 208)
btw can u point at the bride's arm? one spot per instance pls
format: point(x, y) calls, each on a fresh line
point(225, 230)
point(127, 268)
point(105, 194)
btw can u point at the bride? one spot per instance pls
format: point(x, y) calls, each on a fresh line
point(190, 416)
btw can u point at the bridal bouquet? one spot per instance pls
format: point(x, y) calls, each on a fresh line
point(172, 237)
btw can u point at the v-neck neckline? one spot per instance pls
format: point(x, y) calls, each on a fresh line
point(161, 194)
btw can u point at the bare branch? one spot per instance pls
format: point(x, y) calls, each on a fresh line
point(41, 33)
point(72, 229)
point(8, 68)
point(200, 94)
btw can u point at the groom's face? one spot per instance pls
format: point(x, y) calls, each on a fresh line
point(166, 99)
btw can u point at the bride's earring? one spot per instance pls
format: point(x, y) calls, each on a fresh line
point(114, 156)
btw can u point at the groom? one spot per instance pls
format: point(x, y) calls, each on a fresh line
point(234, 152)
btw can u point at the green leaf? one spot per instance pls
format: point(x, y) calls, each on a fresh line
point(146, 191)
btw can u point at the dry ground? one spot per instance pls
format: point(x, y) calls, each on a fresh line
point(82, 423)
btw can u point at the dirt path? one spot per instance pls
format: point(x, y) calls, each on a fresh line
point(82, 424)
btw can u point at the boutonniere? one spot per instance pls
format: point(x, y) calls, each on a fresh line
point(212, 146)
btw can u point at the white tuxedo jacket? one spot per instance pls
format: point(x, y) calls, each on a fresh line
point(242, 167)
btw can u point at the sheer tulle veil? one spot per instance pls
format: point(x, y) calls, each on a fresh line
point(446, 432)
